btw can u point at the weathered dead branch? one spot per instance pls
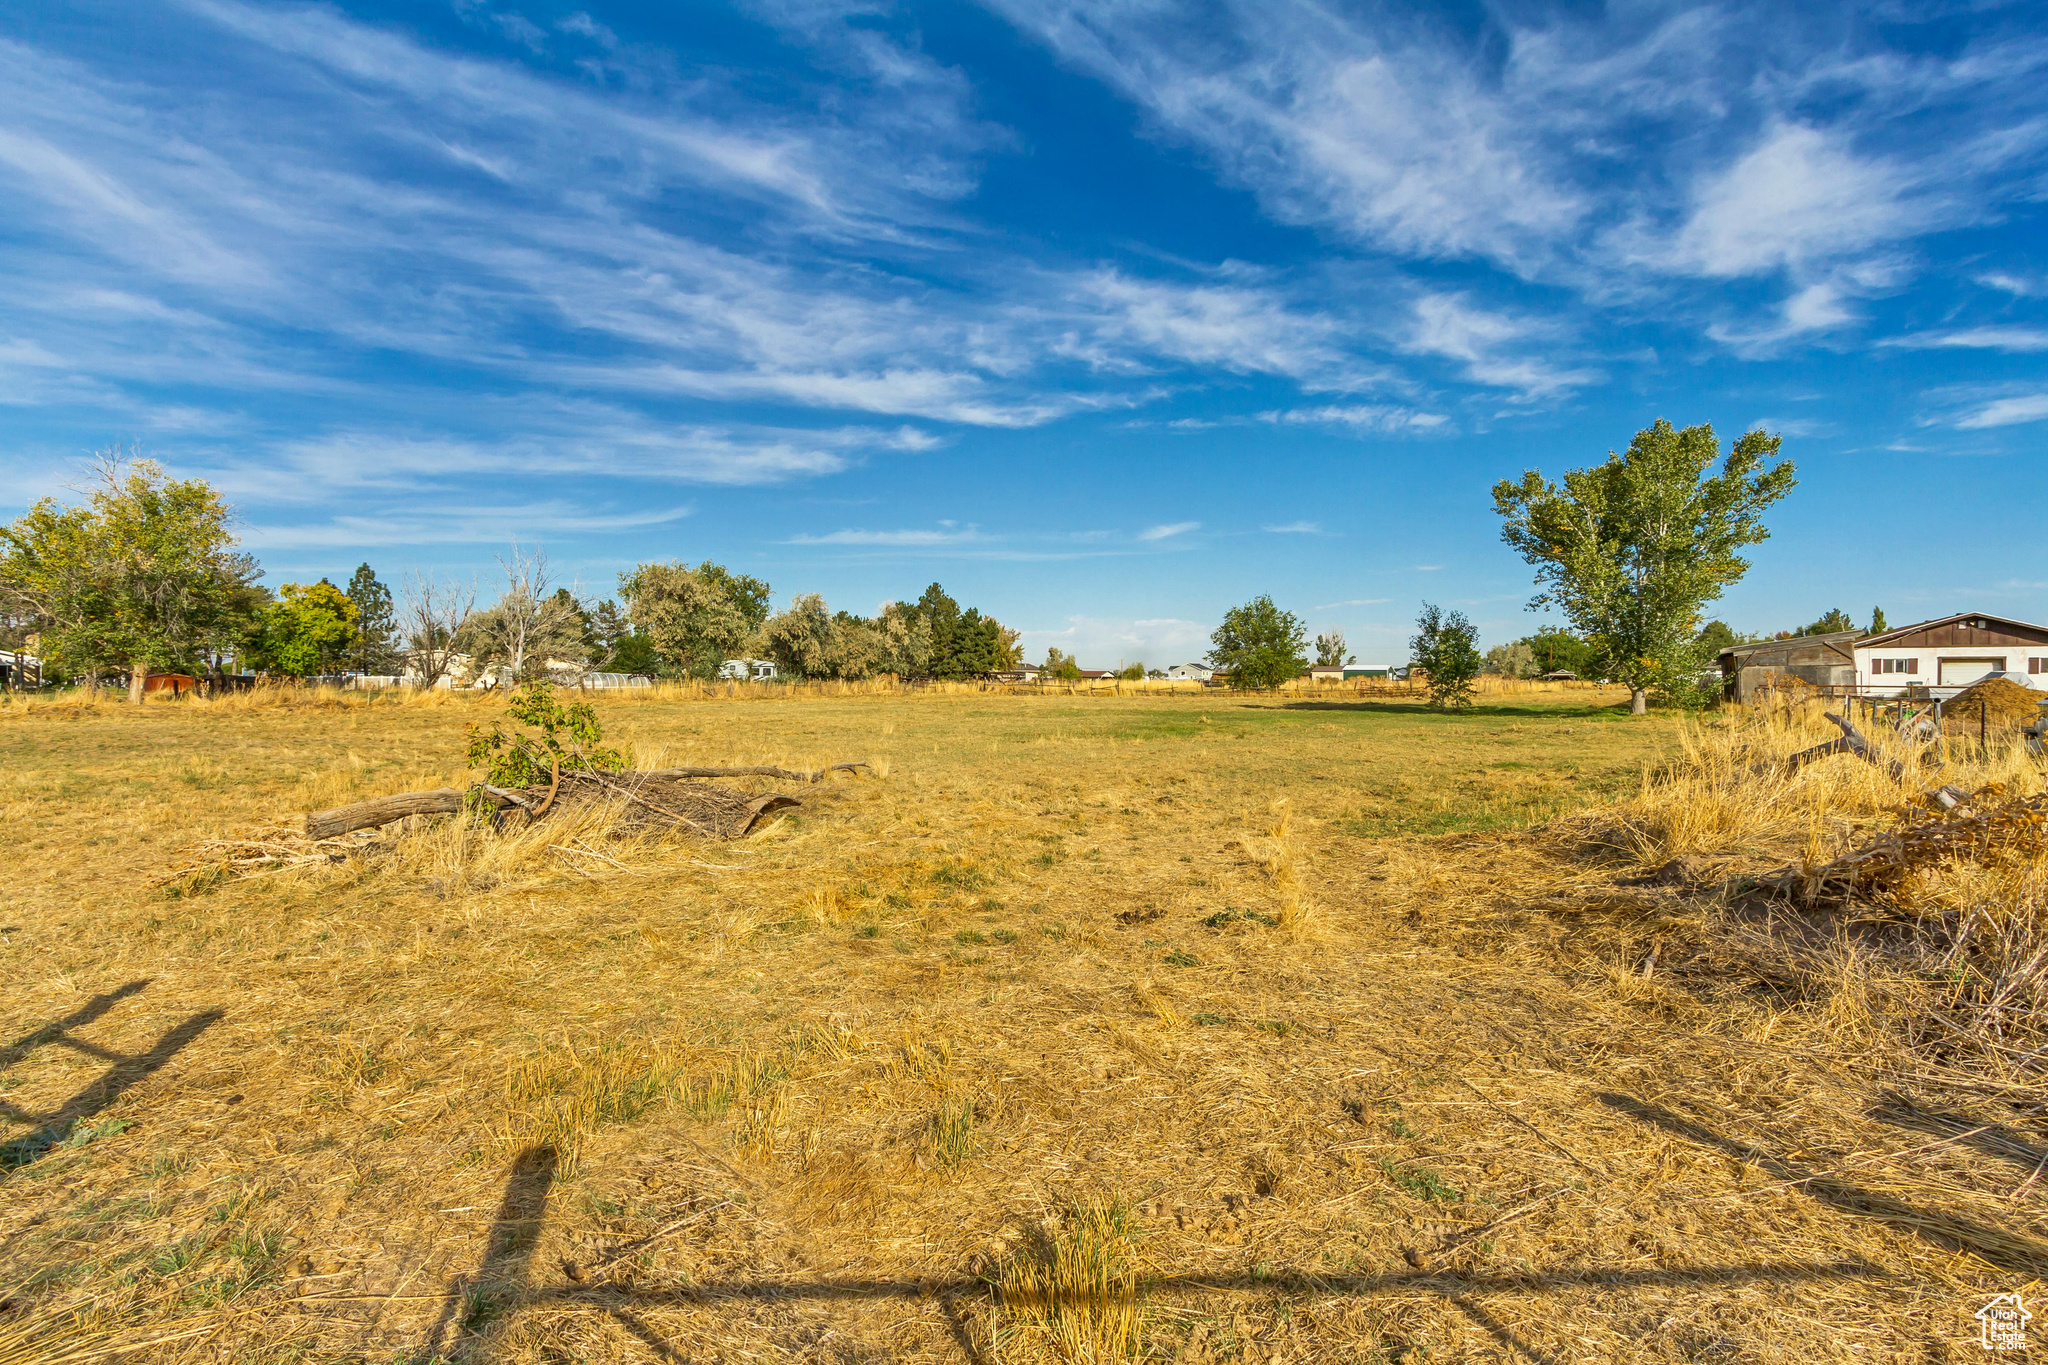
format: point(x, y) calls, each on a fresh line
point(1851, 742)
point(786, 774)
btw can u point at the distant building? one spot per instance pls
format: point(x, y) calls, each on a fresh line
point(1816, 660)
point(747, 670)
point(1191, 673)
point(608, 680)
point(18, 669)
point(1952, 653)
point(1368, 671)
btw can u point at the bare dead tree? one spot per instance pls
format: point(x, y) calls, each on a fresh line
point(531, 622)
point(431, 613)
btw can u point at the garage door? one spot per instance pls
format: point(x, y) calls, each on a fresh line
point(1963, 672)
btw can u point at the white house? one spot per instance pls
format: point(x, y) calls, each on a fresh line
point(747, 670)
point(1191, 672)
point(1948, 655)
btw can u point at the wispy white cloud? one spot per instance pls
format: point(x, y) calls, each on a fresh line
point(2021, 286)
point(1377, 128)
point(1178, 528)
point(1235, 323)
point(451, 524)
point(1295, 528)
point(1498, 349)
point(1800, 195)
point(1354, 602)
point(2006, 412)
point(1597, 149)
point(1383, 417)
point(2022, 339)
point(944, 534)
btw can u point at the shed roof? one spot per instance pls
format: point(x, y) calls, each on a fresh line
point(1833, 639)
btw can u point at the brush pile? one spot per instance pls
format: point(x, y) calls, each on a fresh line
point(270, 848)
point(1923, 914)
point(1992, 828)
point(553, 765)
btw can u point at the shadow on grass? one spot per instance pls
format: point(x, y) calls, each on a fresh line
point(1461, 1290)
point(499, 1289)
point(500, 1280)
point(2006, 1250)
point(54, 1128)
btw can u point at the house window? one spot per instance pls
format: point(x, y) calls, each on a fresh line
point(1907, 666)
point(2037, 665)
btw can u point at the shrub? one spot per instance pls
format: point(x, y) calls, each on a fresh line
point(560, 737)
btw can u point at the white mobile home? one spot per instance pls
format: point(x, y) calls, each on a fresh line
point(1951, 653)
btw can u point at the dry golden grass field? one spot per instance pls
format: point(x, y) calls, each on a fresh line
point(1178, 1028)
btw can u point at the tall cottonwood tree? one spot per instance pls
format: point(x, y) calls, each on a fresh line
point(143, 576)
point(1631, 550)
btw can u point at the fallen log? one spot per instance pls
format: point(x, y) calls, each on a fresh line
point(786, 774)
point(382, 810)
point(652, 797)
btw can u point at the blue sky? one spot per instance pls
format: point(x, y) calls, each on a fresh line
point(1107, 315)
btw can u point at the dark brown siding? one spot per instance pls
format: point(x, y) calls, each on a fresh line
point(1956, 635)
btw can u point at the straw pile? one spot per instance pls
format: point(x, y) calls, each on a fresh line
point(2000, 700)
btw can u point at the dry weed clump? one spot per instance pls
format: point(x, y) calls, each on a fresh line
point(1072, 1291)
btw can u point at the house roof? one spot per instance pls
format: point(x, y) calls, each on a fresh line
point(1918, 626)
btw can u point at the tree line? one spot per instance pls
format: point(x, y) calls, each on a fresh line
point(145, 575)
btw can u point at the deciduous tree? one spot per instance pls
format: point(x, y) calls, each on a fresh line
point(697, 618)
point(1331, 651)
point(1631, 550)
point(142, 576)
point(529, 624)
point(1443, 647)
point(308, 630)
point(1259, 645)
point(430, 613)
point(1513, 660)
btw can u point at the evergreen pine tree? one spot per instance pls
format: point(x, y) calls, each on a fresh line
point(376, 622)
